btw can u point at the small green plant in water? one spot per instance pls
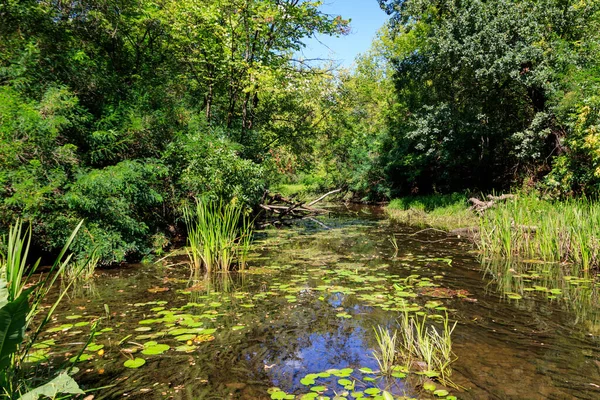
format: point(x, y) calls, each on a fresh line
point(394, 243)
point(386, 352)
point(84, 269)
point(218, 234)
point(423, 344)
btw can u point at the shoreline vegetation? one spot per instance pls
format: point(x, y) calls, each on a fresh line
point(129, 129)
point(524, 227)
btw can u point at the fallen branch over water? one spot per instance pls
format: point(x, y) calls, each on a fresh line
point(282, 207)
point(473, 231)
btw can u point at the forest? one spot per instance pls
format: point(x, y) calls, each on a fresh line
point(121, 112)
point(131, 129)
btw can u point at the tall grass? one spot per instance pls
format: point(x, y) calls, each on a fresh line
point(218, 235)
point(21, 301)
point(424, 343)
point(530, 228)
point(438, 211)
point(13, 263)
point(386, 352)
point(84, 268)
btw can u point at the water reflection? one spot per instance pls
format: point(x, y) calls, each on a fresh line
point(309, 302)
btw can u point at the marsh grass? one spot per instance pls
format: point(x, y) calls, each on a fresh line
point(21, 300)
point(526, 227)
point(438, 211)
point(385, 355)
point(529, 228)
point(423, 344)
point(84, 268)
point(219, 235)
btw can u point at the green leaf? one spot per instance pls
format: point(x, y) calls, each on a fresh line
point(387, 396)
point(62, 384)
point(135, 363)
point(12, 327)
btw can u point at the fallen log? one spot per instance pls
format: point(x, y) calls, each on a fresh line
point(290, 208)
point(472, 232)
point(480, 206)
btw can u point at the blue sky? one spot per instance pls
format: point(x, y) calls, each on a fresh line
point(366, 18)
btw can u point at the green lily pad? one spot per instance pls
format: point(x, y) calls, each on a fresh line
point(307, 381)
point(155, 349)
point(83, 357)
point(135, 363)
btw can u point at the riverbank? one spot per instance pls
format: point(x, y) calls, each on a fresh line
point(445, 212)
point(525, 227)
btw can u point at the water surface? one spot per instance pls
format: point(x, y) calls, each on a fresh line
point(308, 304)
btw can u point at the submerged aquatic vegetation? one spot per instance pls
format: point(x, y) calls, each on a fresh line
point(518, 280)
point(218, 234)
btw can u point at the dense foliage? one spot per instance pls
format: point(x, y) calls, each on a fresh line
point(121, 111)
point(492, 94)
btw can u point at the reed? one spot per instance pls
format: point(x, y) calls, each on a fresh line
point(394, 243)
point(21, 302)
point(84, 269)
point(420, 342)
point(530, 228)
point(386, 352)
point(219, 235)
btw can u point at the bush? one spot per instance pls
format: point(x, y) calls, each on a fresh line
point(209, 165)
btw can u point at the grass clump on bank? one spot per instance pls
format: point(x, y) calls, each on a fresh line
point(438, 211)
point(524, 227)
point(218, 235)
point(530, 228)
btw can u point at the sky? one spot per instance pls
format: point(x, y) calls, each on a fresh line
point(366, 18)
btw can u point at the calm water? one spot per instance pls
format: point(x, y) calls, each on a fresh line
point(308, 304)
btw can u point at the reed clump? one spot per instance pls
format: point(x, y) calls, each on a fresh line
point(386, 352)
point(219, 235)
point(21, 301)
point(418, 345)
point(84, 268)
point(530, 228)
point(424, 345)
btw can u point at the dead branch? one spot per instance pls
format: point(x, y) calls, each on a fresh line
point(282, 207)
point(312, 203)
point(480, 206)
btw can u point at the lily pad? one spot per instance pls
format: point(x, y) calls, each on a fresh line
point(135, 363)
